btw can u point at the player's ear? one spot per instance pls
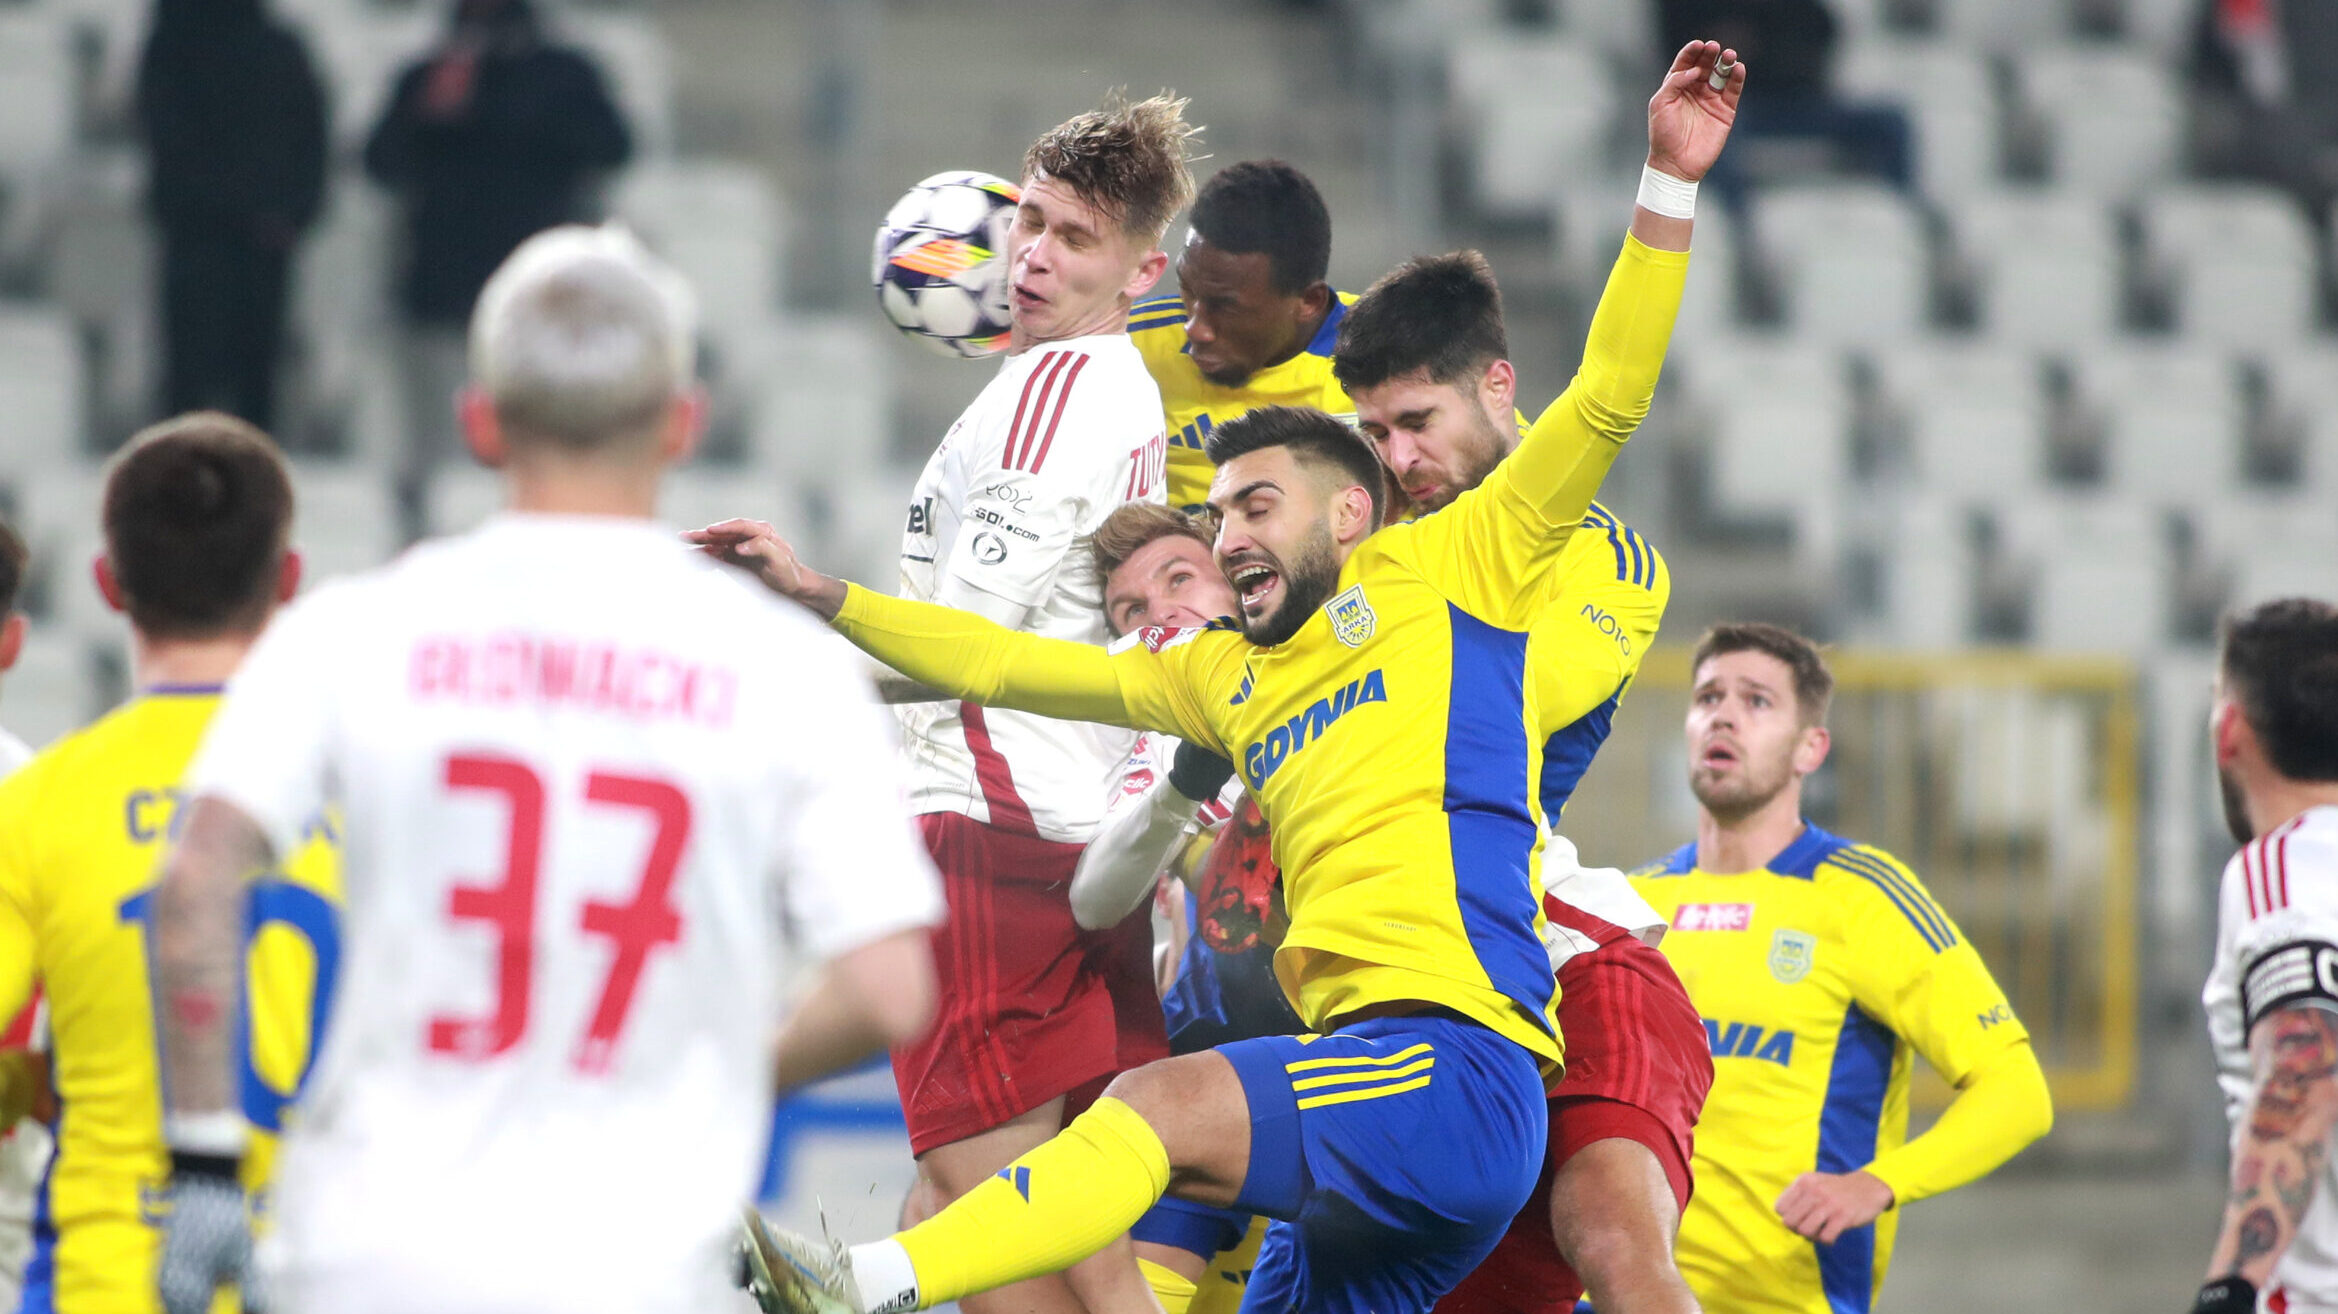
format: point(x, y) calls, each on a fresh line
point(288, 576)
point(1149, 271)
point(1351, 514)
point(2231, 730)
point(108, 586)
point(685, 425)
point(12, 639)
point(482, 432)
point(1498, 389)
point(1810, 749)
point(1316, 300)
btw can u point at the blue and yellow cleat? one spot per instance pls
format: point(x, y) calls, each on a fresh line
point(791, 1274)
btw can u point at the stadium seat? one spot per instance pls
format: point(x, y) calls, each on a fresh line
point(2164, 26)
point(1927, 573)
point(458, 498)
point(2241, 259)
point(59, 518)
point(2272, 546)
point(639, 64)
point(1533, 113)
point(1589, 229)
point(2114, 115)
point(860, 524)
point(2172, 419)
point(342, 308)
point(1407, 30)
point(1778, 416)
point(1851, 260)
point(2003, 24)
point(2099, 570)
point(52, 690)
point(1973, 415)
point(345, 518)
point(36, 94)
point(819, 404)
point(41, 393)
point(719, 223)
point(1625, 29)
point(360, 50)
point(1946, 90)
point(2045, 265)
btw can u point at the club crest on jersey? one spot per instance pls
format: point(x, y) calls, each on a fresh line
point(1351, 616)
point(1791, 955)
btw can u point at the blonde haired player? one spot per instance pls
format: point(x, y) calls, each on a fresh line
point(197, 512)
point(600, 796)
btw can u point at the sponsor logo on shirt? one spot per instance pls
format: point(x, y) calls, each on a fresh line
point(921, 516)
point(1608, 625)
point(2001, 1013)
point(1351, 616)
point(1713, 917)
point(1791, 954)
point(1748, 1040)
point(1286, 741)
point(990, 517)
point(989, 548)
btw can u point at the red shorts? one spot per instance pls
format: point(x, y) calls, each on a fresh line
point(1638, 1069)
point(1030, 1005)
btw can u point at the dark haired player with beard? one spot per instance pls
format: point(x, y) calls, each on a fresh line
point(2272, 995)
point(1822, 967)
point(1252, 322)
point(1376, 701)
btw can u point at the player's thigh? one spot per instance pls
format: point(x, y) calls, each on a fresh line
point(958, 1167)
point(1615, 1202)
point(1196, 1105)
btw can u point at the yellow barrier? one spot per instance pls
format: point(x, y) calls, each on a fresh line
point(2009, 781)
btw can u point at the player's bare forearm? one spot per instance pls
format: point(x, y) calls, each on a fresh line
point(2282, 1154)
point(198, 951)
point(879, 994)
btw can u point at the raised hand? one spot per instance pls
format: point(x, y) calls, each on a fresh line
point(756, 546)
point(1688, 117)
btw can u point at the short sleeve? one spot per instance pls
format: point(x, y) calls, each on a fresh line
point(268, 747)
point(1015, 531)
point(1912, 968)
point(1171, 678)
point(850, 871)
point(2285, 952)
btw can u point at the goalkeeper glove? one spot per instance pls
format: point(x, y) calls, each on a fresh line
point(206, 1240)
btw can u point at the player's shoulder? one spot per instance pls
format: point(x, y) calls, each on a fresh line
point(1870, 880)
point(2292, 866)
point(1679, 862)
point(1158, 639)
point(1157, 320)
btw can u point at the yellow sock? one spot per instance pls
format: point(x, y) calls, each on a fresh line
point(1171, 1288)
point(1046, 1211)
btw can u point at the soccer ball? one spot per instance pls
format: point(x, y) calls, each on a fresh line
point(941, 262)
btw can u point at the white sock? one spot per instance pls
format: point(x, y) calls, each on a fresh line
point(887, 1281)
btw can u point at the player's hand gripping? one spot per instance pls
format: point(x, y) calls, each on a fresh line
point(207, 1239)
point(1823, 1206)
point(1689, 118)
point(755, 545)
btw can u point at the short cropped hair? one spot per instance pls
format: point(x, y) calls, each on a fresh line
point(1268, 206)
point(1317, 441)
point(582, 339)
point(1814, 684)
point(1441, 314)
point(1133, 526)
point(2280, 664)
point(1131, 162)
point(13, 559)
point(198, 511)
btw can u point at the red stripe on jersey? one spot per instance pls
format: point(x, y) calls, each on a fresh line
point(1062, 400)
point(2249, 879)
point(1022, 404)
point(1597, 929)
point(1021, 439)
point(1007, 809)
point(19, 1033)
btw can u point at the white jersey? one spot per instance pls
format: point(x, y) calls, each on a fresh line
point(1067, 432)
point(26, 1147)
point(600, 797)
point(14, 752)
point(2277, 945)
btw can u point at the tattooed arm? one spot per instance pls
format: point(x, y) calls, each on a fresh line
point(2280, 1158)
point(198, 960)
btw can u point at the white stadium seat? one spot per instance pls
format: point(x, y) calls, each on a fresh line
point(1947, 92)
point(2046, 265)
point(36, 92)
point(360, 50)
point(51, 691)
point(822, 405)
point(2273, 546)
point(1927, 573)
point(1535, 113)
point(719, 223)
point(2115, 116)
point(41, 393)
point(1973, 413)
point(2241, 259)
point(2003, 24)
point(344, 518)
point(1852, 260)
point(2099, 571)
point(59, 510)
point(2173, 419)
point(1624, 28)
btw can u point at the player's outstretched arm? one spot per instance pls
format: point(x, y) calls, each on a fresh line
point(2282, 1153)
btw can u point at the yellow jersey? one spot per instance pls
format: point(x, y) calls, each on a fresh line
point(82, 828)
point(1191, 406)
point(1819, 978)
point(1395, 741)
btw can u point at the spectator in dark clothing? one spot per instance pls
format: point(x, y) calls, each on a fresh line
point(1790, 46)
point(234, 121)
point(489, 139)
point(2266, 107)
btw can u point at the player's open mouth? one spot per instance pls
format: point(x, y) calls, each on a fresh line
point(1425, 493)
point(1026, 299)
point(1254, 581)
point(1719, 755)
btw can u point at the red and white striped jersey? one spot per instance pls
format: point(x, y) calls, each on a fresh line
point(998, 525)
point(2276, 947)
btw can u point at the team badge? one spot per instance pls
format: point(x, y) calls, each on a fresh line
point(1351, 616)
point(1791, 953)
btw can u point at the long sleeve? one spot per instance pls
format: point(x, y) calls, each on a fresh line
point(1143, 825)
point(1496, 544)
point(2003, 1106)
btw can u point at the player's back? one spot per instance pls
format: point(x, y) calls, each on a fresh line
point(81, 830)
point(573, 759)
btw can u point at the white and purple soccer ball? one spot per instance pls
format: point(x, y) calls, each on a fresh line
point(941, 262)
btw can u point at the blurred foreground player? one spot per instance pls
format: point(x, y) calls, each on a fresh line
point(2272, 994)
point(14, 561)
point(197, 512)
point(599, 793)
point(1822, 967)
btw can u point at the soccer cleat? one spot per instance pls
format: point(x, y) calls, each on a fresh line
point(791, 1274)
